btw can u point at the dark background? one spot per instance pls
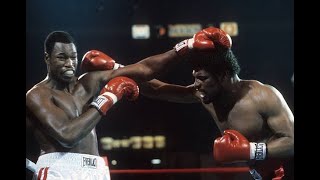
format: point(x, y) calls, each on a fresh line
point(264, 48)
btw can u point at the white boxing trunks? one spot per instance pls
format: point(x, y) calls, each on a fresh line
point(71, 166)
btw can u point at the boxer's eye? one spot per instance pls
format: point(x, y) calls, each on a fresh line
point(202, 78)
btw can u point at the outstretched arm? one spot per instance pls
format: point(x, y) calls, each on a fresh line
point(204, 41)
point(152, 67)
point(156, 89)
point(95, 60)
point(142, 71)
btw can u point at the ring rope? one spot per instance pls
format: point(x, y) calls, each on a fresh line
point(185, 170)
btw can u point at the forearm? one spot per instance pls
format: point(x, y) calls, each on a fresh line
point(281, 148)
point(160, 63)
point(79, 127)
point(110, 94)
point(156, 89)
point(233, 146)
point(149, 68)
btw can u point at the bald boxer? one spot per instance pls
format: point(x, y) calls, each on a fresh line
point(256, 124)
point(62, 110)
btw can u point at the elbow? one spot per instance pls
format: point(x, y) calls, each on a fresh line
point(281, 148)
point(68, 143)
point(148, 74)
point(148, 71)
point(67, 140)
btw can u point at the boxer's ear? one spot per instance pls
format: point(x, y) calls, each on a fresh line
point(46, 57)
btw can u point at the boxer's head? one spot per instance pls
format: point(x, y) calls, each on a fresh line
point(211, 71)
point(61, 56)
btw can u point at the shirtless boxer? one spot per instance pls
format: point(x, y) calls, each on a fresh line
point(63, 112)
point(256, 123)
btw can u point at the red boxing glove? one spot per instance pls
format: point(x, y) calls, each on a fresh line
point(233, 146)
point(95, 60)
point(113, 91)
point(204, 41)
point(218, 37)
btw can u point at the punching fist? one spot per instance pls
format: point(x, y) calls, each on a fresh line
point(95, 60)
point(233, 146)
point(113, 91)
point(205, 40)
point(218, 37)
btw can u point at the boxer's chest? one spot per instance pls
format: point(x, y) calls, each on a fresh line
point(71, 105)
point(247, 120)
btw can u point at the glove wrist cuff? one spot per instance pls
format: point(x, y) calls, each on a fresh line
point(190, 43)
point(258, 151)
point(98, 103)
point(102, 100)
point(117, 66)
point(184, 46)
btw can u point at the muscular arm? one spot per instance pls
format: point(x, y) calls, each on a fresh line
point(66, 128)
point(151, 67)
point(281, 122)
point(169, 92)
point(144, 70)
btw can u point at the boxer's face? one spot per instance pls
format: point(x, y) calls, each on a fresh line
point(207, 84)
point(63, 61)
